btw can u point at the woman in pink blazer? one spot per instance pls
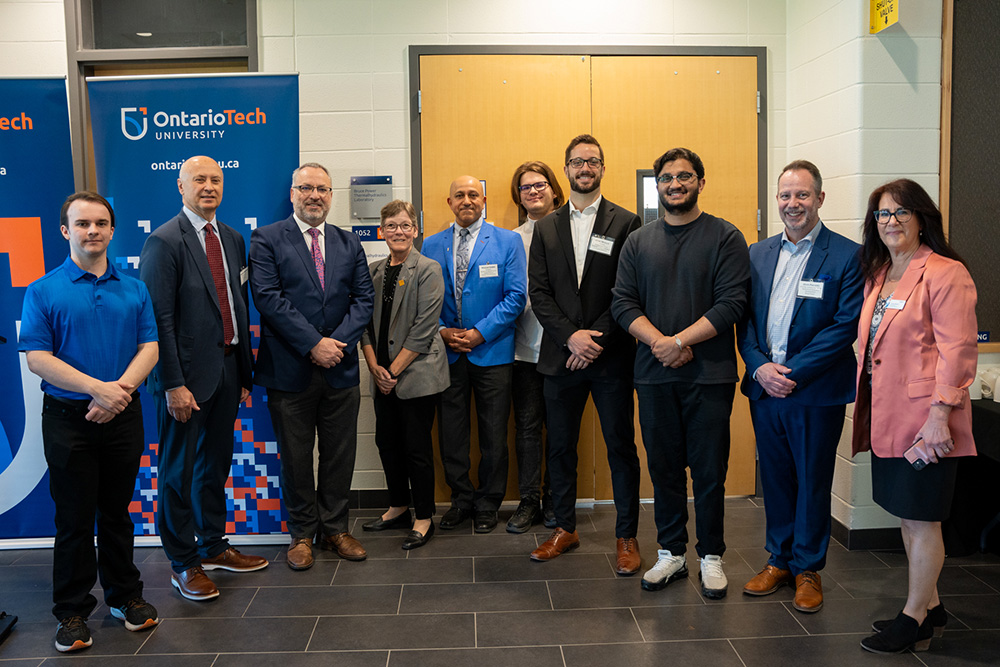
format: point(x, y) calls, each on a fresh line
point(918, 335)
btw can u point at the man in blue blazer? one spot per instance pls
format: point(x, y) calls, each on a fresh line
point(195, 269)
point(311, 285)
point(485, 272)
point(805, 299)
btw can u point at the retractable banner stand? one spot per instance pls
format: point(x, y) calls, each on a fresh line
point(36, 175)
point(144, 129)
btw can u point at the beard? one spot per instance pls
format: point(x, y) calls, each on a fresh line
point(595, 183)
point(683, 207)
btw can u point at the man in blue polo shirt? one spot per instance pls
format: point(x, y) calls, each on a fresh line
point(89, 332)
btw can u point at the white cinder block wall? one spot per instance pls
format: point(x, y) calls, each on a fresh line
point(32, 38)
point(864, 108)
point(352, 59)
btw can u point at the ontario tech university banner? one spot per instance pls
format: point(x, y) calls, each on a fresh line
point(36, 175)
point(144, 129)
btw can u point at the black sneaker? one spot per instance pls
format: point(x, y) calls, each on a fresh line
point(526, 515)
point(137, 614)
point(73, 634)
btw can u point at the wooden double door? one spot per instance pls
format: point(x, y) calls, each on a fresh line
point(484, 114)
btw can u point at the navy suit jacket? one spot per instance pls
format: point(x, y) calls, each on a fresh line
point(295, 312)
point(492, 297)
point(175, 269)
point(822, 331)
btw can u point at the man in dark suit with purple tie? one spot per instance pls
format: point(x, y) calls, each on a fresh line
point(311, 284)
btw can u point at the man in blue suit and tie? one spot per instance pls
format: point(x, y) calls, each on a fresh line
point(805, 299)
point(485, 272)
point(311, 285)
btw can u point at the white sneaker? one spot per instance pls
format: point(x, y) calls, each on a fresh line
point(713, 580)
point(668, 568)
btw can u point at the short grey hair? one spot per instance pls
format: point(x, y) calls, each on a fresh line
point(309, 165)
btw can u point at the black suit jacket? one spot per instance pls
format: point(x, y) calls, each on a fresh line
point(175, 269)
point(561, 307)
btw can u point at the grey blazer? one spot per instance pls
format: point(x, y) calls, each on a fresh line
point(416, 308)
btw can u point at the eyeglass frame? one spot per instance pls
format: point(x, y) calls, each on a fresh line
point(392, 226)
point(884, 212)
point(684, 177)
point(537, 186)
point(307, 190)
point(594, 162)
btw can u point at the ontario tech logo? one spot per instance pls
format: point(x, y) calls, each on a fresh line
point(128, 120)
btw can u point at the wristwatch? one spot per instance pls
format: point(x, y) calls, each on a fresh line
point(680, 345)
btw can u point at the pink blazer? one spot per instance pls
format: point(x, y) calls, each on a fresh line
point(923, 354)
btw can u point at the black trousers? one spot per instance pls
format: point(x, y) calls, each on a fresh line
point(92, 469)
point(403, 437)
point(565, 401)
point(194, 463)
point(323, 417)
point(491, 385)
point(529, 417)
point(687, 425)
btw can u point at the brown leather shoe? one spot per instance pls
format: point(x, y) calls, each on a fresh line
point(628, 556)
point(808, 592)
point(234, 561)
point(300, 554)
point(345, 545)
point(194, 584)
point(768, 580)
point(558, 543)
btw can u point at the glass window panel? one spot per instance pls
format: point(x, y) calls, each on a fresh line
point(130, 24)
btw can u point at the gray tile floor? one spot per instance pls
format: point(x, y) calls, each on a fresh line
point(477, 600)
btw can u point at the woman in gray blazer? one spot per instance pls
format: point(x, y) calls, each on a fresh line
point(409, 368)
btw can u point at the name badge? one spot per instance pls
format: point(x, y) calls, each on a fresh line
point(488, 271)
point(895, 304)
point(810, 289)
point(601, 244)
point(244, 275)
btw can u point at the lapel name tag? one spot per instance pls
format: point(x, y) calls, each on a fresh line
point(488, 271)
point(895, 304)
point(810, 289)
point(244, 275)
point(601, 244)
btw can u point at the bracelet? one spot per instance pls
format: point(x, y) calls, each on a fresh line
point(680, 345)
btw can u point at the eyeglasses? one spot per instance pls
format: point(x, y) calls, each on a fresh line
point(683, 177)
point(321, 190)
point(392, 226)
point(537, 187)
point(902, 215)
point(578, 162)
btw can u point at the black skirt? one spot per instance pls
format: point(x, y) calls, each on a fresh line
point(918, 495)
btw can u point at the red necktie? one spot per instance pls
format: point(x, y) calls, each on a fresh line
point(318, 257)
point(214, 252)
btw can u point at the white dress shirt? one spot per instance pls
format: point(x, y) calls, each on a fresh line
point(581, 225)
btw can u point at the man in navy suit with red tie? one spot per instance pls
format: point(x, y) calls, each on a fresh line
point(311, 284)
point(195, 269)
point(797, 341)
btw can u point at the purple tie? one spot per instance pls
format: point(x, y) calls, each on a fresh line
point(318, 257)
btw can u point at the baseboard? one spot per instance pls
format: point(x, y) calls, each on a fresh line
point(866, 539)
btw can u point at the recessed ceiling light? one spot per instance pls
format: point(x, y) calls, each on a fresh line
point(144, 34)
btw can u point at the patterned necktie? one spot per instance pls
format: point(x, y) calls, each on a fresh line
point(461, 268)
point(214, 252)
point(318, 257)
